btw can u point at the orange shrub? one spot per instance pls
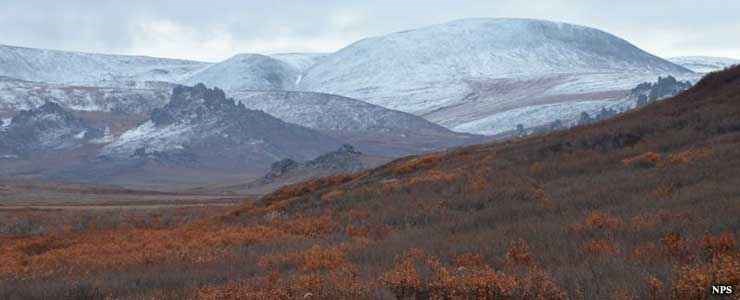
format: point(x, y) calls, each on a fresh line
point(432, 177)
point(403, 279)
point(518, 254)
point(645, 160)
point(654, 287)
point(663, 191)
point(647, 252)
point(411, 165)
point(600, 247)
point(469, 260)
point(310, 226)
point(715, 246)
point(676, 246)
point(690, 155)
point(332, 195)
point(600, 220)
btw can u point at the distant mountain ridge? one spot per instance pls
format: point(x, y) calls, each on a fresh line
point(78, 68)
point(203, 126)
point(372, 129)
point(704, 64)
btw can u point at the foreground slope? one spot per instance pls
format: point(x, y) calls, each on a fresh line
point(640, 206)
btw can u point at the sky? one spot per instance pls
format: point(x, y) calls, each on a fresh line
point(217, 29)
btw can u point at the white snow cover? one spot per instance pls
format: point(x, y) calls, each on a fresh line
point(5, 123)
point(539, 115)
point(300, 61)
point(79, 68)
point(327, 112)
point(467, 70)
point(460, 74)
point(704, 64)
point(18, 95)
point(248, 71)
point(150, 136)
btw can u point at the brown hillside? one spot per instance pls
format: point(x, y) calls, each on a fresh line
point(641, 206)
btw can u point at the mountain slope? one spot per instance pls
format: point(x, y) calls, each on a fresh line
point(18, 95)
point(704, 64)
point(373, 129)
point(300, 61)
point(79, 68)
point(462, 71)
point(201, 126)
point(46, 128)
point(248, 71)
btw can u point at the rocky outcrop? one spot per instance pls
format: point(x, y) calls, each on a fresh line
point(45, 128)
point(345, 159)
point(665, 87)
point(202, 126)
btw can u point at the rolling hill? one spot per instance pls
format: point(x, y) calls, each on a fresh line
point(77, 68)
point(373, 129)
point(468, 70)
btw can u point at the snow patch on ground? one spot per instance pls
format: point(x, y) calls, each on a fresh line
point(151, 137)
point(539, 115)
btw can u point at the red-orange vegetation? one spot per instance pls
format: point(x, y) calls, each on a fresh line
point(414, 164)
point(120, 249)
point(469, 260)
point(654, 287)
point(518, 254)
point(647, 252)
point(332, 196)
point(676, 246)
point(536, 168)
point(646, 160)
point(715, 246)
point(403, 280)
point(431, 177)
point(688, 156)
point(600, 247)
point(663, 191)
point(597, 220)
point(300, 189)
point(310, 226)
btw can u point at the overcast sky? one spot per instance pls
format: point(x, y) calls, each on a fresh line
point(216, 29)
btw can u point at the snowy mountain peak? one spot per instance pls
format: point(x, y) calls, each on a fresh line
point(248, 71)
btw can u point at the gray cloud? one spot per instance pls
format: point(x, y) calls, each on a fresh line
point(214, 30)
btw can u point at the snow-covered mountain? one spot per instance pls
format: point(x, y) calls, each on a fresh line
point(300, 61)
point(201, 126)
point(48, 127)
point(704, 64)
point(77, 68)
point(373, 129)
point(19, 95)
point(248, 71)
point(468, 70)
